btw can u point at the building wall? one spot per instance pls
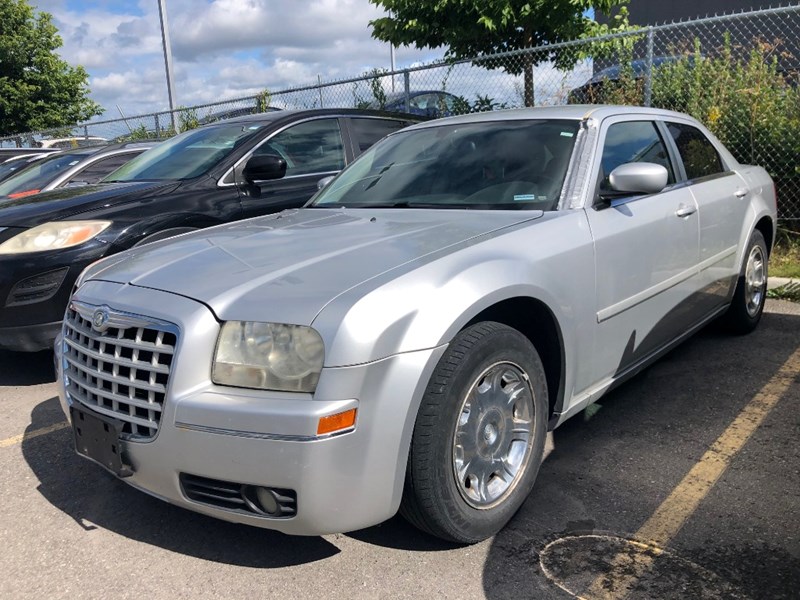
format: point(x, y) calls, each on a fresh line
point(653, 12)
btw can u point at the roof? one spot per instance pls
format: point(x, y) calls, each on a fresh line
point(574, 112)
point(294, 115)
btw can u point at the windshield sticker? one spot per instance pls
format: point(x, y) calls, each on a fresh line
point(567, 134)
point(74, 162)
point(524, 197)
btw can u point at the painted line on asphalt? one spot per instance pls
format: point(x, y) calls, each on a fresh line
point(32, 434)
point(680, 505)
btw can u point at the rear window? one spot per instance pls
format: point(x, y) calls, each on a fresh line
point(700, 158)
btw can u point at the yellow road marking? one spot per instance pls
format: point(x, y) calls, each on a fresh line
point(673, 513)
point(32, 434)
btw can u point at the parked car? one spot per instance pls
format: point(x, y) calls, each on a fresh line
point(10, 153)
point(591, 92)
point(15, 164)
point(214, 174)
point(430, 103)
point(70, 168)
point(71, 143)
point(408, 338)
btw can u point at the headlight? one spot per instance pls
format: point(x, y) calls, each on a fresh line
point(268, 356)
point(53, 236)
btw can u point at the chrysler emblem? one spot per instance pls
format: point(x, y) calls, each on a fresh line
point(100, 319)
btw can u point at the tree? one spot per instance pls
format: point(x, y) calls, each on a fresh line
point(473, 28)
point(38, 89)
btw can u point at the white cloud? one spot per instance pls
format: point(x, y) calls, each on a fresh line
point(228, 49)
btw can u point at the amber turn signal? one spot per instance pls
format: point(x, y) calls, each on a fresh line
point(337, 422)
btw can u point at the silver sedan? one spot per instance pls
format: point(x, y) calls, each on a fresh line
point(407, 339)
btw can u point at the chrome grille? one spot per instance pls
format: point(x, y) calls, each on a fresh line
point(120, 368)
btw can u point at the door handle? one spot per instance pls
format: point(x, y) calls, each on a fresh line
point(685, 211)
point(740, 193)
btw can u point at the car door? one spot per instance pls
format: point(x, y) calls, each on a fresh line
point(646, 251)
point(722, 201)
point(313, 149)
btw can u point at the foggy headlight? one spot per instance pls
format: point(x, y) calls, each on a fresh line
point(268, 356)
point(53, 236)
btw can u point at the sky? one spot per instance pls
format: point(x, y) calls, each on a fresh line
point(222, 49)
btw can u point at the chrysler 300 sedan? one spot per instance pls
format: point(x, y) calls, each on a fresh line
point(406, 340)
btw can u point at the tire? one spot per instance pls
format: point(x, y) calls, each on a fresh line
point(468, 431)
point(750, 295)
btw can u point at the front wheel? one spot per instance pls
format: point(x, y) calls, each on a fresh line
point(479, 435)
point(751, 289)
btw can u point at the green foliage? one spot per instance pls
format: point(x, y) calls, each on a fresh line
point(187, 119)
point(469, 28)
point(374, 79)
point(263, 101)
point(38, 90)
point(742, 96)
point(462, 106)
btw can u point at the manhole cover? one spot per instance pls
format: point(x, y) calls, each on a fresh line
point(606, 566)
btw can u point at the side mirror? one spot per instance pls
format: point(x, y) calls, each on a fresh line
point(638, 178)
point(324, 181)
point(263, 168)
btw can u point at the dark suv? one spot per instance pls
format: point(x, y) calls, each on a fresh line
point(215, 174)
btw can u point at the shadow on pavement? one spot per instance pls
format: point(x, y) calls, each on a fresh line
point(94, 498)
point(399, 534)
point(26, 368)
point(615, 463)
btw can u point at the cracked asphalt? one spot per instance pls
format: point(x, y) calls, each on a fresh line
point(70, 530)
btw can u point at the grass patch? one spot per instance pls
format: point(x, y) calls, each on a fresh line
point(785, 259)
point(787, 292)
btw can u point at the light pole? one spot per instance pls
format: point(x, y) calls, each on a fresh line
point(162, 10)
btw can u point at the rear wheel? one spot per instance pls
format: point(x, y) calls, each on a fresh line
point(479, 435)
point(751, 289)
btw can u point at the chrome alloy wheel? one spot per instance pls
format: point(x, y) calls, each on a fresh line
point(494, 435)
point(755, 279)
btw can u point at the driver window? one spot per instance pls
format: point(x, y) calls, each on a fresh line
point(310, 147)
point(634, 141)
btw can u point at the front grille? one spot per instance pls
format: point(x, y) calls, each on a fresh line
point(122, 370)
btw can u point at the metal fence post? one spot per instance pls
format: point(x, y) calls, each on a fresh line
point(648, 69)
point(158, 127)
point(407, 88)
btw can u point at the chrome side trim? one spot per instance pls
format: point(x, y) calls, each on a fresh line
point(623, 305)
point(261, 436)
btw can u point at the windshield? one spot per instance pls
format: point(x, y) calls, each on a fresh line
point(33, 178)
point(187, 155)
point(492, 165)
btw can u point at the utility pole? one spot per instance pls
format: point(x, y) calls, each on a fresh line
point(162, 11)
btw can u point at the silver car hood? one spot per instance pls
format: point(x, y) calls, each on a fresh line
point(287, 267)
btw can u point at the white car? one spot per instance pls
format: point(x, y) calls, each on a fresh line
point(407, 339)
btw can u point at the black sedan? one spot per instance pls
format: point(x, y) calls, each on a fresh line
point(217, 173)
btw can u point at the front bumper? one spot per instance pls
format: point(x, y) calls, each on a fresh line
point(342, 483)
point(31, 306)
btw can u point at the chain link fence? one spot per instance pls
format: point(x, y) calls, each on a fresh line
point(736, 73)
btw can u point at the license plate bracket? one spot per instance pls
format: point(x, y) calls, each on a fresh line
point(97, 438)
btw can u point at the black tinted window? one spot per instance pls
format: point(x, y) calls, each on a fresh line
point(99, 169)
point(634, 141)
point(369, 131)
point(698, 154)
point(310, 147)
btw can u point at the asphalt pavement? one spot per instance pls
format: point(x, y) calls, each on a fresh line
point(682, 483)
